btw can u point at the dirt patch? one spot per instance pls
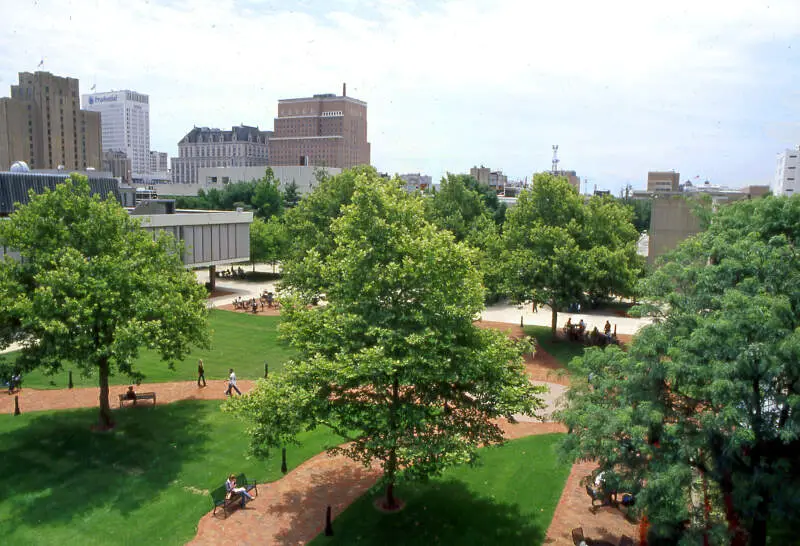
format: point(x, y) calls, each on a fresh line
point(218, 292)
point(514, 331)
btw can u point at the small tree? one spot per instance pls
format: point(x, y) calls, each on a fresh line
point(267, 198)
point(268, 241)
point(393, 362)
point(290, 195)
point(92, 287)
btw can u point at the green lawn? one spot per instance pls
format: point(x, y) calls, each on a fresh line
point(563, 350)
point(509, 499)
point(144, 483)
point(239, 340)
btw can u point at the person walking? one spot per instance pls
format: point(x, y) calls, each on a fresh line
point(201, 373)
point(232, 384)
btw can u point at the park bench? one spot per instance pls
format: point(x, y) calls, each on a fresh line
point(139, 396)
point(222, 500)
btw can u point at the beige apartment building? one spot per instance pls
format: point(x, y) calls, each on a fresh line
point(43, 125)
point(494, 179)
point(323, 130)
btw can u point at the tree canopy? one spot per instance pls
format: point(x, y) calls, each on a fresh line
point(262, 196)
point(92, 287)
point(559, 250)
point(268, 241)
point(700, 416)
point(392, 362)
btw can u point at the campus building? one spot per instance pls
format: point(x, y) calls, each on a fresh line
point(125, 118)
point(416, 182)
point(494, 179)
point(663, 181)
point(242, 146)
point(324, 130)
point(42, 124)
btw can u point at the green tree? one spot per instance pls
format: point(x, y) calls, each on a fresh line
point(267, 198)
point(393, 362)
point(290, 195)
point(558, 250)
point(92, 288)
point(710, 393)
point(268, 241)
point(459, 207)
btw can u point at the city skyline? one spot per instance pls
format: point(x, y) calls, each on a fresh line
point(703, 88)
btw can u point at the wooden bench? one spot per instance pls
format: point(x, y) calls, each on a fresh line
point(220, 497)
point(139, 396)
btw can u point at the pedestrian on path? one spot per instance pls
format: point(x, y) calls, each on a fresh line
point(201, 373)
point(232, 384)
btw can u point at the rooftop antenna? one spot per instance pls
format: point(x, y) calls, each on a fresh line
point(555, 158)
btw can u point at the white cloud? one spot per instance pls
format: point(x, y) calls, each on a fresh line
point(622, 86)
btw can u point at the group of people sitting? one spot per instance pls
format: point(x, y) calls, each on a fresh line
point(608, 495)
point(231, 273)
point(265, 301)
point(577, 332)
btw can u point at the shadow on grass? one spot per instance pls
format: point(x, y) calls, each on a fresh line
point(55, 470)
point(440, 512)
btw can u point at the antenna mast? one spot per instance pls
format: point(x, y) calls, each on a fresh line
point(555, 158)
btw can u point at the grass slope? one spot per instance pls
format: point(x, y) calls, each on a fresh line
point(145, 483)
point(240, 341)
point(509, 499)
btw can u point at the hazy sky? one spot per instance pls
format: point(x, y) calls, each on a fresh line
point(709, 88)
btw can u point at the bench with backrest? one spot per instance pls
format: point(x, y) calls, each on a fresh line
point(139, 396)
point(222, 499)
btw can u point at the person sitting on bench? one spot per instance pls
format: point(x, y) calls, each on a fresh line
point(130, 395)
point(230, 487)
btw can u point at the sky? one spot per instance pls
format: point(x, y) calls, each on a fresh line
point(708, 88)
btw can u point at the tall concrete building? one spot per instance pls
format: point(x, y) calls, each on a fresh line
point(323, 130)
point(242, 146)
point(43, 125)
point(786, 176)
point(494, 179)
point(663, 181)
point(125, 116)
point(118, 164)
point(159, 161)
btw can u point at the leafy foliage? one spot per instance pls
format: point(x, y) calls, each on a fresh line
point(392, 362)
point(558, 250)
point(262, 196)
point(268, 241)
point(710, 393)
point(92, 287)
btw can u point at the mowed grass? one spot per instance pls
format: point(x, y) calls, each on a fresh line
point(238, 341)
point(508, 499)
point(562, 350)
point(146, 482)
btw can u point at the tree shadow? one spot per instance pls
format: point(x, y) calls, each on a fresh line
point(440, 512)
point(55, 470)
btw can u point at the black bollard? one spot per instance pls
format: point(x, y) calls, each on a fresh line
point(16, 405)
point(328, 525)
point(284, 469)
point(70, 385)
point(520, 321)
point(266, 370)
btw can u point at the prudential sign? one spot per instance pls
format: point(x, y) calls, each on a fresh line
point(101, 99)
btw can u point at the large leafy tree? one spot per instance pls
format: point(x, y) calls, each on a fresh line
point(559, 250)
point(710, 393)
point(92, 287)
point(393, 362)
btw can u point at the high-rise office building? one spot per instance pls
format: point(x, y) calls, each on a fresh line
point(242, 146)
point(323, 130)
point(43, 125)
point(663, 181)
point(786, 176)
point(125, 116)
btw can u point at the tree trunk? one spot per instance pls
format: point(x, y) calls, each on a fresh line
point(732, 517)
point(212, 277)
point(391, 465)
point(758, 533)
point(105, 422)
point(554, 322)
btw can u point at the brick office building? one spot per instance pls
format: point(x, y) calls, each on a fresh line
point(323, 130)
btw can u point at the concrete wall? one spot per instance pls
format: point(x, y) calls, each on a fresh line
point(209, 238)
point(671, 222)
point(302, 176)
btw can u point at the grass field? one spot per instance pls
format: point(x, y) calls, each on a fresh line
point(509, 499)
point(146, 482)
point(239, 340)
point(563, 350)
